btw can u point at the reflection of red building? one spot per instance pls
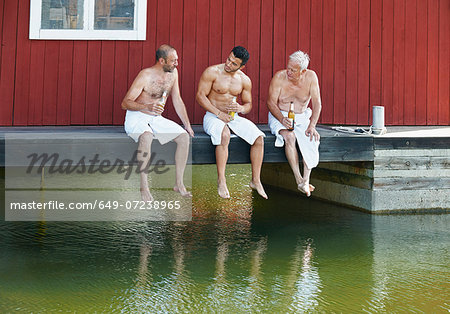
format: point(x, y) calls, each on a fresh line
point(365, 52)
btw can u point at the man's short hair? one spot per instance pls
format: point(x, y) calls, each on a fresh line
point(301, 59)
point(241, 53)
point(163, 52)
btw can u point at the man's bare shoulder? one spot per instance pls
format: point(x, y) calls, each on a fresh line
point(280, 75)
point(311, 75)
point(244, 77)
point(213, 70)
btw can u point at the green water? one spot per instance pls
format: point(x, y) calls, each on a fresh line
point(289, 254)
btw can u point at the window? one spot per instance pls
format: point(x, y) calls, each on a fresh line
point(88, 19)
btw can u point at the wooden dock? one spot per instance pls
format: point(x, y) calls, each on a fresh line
point(408, 169)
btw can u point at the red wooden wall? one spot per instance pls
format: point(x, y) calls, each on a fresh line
point(365, 52)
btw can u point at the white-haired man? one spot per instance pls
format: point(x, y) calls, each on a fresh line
point(298, 85)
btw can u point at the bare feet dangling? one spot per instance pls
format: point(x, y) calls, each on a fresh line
point(259, 188)
point(182, 190)
point(304, 188)
point(146, 195)
point(223, 190)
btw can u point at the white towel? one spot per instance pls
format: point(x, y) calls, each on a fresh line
point(308, 148)
point(242, 127)
point(164, 130)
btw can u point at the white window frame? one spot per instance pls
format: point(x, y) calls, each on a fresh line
point(88, 32)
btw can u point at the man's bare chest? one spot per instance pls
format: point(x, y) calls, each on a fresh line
point(300, 93)
point(224, 84)
point(156, 86)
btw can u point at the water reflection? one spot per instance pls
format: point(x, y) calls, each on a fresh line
point(287, 254)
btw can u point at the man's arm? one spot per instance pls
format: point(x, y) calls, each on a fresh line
point(272, 101)
point(246, 97)
point(204, 88)
point(316, 105)
point(128, 102)
point(179, 105)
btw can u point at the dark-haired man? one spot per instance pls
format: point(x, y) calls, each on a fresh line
point(144, 103)
point(218, 88)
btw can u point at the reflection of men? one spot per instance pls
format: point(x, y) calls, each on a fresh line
point(299, 85)
point(216, 89)
point(143, 120)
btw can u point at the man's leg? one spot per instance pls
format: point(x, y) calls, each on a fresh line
point(292, 157)
point(306, 187)
point(256, 157)
point(181, 156)
point(143, 157)
point(221, 162)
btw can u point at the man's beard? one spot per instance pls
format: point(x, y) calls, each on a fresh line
point(168, 68)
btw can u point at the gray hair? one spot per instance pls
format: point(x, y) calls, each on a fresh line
point(300, 58)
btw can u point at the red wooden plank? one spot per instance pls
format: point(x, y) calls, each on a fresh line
point(363, 62)
point(149, 45)
point(340, 73)
point(107, 67)
point(134, 60)
point(421, 63)
point(399, 63)
point(2, 13)
point(120, 81)
point(433, 63)
point(188, 72)
point(328, 61)
point(7, 64)
point(79, 83)
point(201, 56)
point(444, 70)
point(316, 54)
point(51, 61)
point(241, 24)
point(351, 83)
point(387, 55)
point(266, 52)
point(65, 71)
point(163, 22)
point(215, 32)
point(304, 26)
point(279, 35)
point(176, 40)
point(410, 62)
point(292, 25)
point(93, 83)
point(37, 82)
point(228, 27)
point(254, 20)
point(22, 83)
point(375, 54)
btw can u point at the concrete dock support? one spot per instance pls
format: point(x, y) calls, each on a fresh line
point(399, 180)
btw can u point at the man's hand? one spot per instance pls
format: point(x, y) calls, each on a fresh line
point(312, 133)
point(189, 130)
point(225, 117)
point(235, 107)
point(286, 123)
point(155, 108)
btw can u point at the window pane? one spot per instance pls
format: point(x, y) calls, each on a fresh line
point(62, 14)
point(114, 14)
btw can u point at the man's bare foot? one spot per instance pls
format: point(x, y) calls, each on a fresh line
point(259, 188)
point(304, 188)
point(311, 187)
point(182, 190)
point(222, 189)
point(146, 195)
